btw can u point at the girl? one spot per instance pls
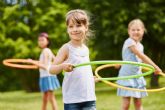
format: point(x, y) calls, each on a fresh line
point(47, 82)
point(78, 84)
point(133, 51)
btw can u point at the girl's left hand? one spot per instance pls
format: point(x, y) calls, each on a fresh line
point(96, 79)
point(157, 71)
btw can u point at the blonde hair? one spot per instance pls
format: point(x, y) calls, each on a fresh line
point(80, 17)
point(137, 21)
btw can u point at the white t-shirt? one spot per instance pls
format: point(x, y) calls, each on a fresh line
point(45, 73)
point(78, 85)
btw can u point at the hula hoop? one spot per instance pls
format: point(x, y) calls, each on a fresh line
point(163, 74)
point(12, 63)
point(149, 67)
point(123, 87)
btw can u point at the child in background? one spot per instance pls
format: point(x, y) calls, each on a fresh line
point(47, 82)
point(78, 84)
point(133, 51)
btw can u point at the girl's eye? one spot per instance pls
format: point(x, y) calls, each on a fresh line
point(78, 25)
point(133, 29)
point(70, 26)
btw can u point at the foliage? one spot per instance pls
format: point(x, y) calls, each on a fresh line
point(19, 27)
point(23, 20)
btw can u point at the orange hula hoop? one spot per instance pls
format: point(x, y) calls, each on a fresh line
point(13, 63)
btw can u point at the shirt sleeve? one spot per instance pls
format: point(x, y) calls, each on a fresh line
point(129, 42)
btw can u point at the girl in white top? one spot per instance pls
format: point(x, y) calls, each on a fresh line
point(47, 81)
point(78, 84)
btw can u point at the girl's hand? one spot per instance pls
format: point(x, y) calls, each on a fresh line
point(117, 66)
point(30, 60)
point(157, 71)
point(67, 67)
point(96, 79)
point(34, 62)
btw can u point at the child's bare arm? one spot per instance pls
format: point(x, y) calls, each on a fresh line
point(58, 64)
point(145, 58)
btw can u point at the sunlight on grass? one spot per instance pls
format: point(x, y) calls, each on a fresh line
point(21, 100)
point(106, 99)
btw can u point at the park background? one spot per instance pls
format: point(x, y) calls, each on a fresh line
point(22, 20)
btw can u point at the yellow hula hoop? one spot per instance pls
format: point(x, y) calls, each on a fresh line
point(123, 87)
point(163, 74)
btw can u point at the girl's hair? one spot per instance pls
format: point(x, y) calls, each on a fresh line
point(45, 35)
point(137, 21)
point(80, 17)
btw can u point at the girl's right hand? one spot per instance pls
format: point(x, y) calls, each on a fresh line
point(67, 67)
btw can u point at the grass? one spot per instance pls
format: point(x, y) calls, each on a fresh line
point(106, 99)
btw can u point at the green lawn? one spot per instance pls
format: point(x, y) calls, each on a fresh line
point(106, 99)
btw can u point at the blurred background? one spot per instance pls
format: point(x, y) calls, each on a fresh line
point(21, 21)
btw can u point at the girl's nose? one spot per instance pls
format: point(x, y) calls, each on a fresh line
point(136, 31)
point(75, 28)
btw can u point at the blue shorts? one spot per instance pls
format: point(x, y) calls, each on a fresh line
point(89, 105)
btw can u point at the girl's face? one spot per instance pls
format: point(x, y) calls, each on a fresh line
point(42, 42)
point(76, 31)
point(136, 32)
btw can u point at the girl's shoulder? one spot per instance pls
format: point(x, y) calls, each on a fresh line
point(68, 46)
point(46, 51)
point(64, 48)
point(129, 41)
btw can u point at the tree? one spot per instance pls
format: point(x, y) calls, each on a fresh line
point(110, 19)
point(21, 22)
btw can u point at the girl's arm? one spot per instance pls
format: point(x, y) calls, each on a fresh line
point(58, 64)
point(44, 64)
point(144, 58)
